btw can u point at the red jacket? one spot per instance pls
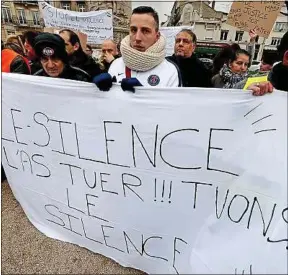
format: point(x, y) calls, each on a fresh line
point(13, 62)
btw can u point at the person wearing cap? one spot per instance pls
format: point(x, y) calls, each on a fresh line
point(50, 48)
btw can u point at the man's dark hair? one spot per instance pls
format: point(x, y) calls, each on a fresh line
point(149, 10)
point(283, 46)
point(192, 34)
point(30, 37)
point(73, 37)
point(268, 58)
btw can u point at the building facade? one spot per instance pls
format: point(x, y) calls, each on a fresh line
point(20, 16)
point(210, 25)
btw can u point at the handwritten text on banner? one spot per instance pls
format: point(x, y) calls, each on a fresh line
point(96, 24)
point(163, 180)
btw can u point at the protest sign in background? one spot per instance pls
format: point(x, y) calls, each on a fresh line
point(170, 35)
point(254, 15)
point(96, 24)
point(164, 180)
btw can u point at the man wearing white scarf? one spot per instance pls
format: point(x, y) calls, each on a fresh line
point(143, 60)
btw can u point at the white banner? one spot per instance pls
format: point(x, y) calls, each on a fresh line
point(164, 180)
point(96, 24)
point(170, 35)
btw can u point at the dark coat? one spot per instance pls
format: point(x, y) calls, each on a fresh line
point(19, 66)
point(69, 72)
point(193, 71)
point(278, 76)
point(86, 63)
point(35, 66)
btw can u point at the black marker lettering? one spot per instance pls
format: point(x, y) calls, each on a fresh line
point(88, 207)
point(48, 172)
point(174, 252)
point(70, 224)
point(216, 203)
point(196, 188)
point(39, 114)
point(85, 234)
point(247, 205)
point(10, 165)
point(111, 140)
point(104, 181)
point(125, 184)
point(126, 237)
point(174, 165)
point(134, 133)
point(70, 170)
point(265, 229)
point(63, 152)
point(47, 206)
point(85, 178)
point(22, 152)
point(152, 256)
point(216, 148)
point(78, 148)
point(106, 237)
point(68, 202)
point(16, 127)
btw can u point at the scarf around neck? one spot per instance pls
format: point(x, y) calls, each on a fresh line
point(143, 61)
point(229, 78)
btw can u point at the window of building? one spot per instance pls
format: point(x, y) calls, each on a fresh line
point(208, 38)
point(81, 7)
point(10, 32)
point(239, 36)
point(21, 17)
point(66, 5)
point(275, 41)
point(281, 27)
point(210, 26)
point(6, 15)
point(36, 20)
point(224, 35)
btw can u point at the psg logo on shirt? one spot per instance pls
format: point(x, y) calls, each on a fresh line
point(153, 80)
point(47, 51)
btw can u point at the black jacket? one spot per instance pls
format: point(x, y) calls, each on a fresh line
point(19, 66)
point(86, 63)
point(193, 71)
point(35, 66)
point(278, 76)
point(69, 72)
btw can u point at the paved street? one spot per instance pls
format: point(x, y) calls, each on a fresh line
point(27, 251)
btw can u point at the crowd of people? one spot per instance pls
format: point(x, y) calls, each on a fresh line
point(141, 60)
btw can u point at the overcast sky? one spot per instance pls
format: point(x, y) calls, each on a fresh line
point(163, 7)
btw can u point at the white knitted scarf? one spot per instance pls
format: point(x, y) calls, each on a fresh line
point(143, 61)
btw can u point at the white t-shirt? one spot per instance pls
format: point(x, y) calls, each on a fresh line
point(164, 75)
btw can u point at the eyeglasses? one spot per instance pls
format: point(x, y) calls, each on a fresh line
point(184, 40)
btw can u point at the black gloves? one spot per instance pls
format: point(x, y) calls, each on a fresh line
point(104, 81)
point(128, 84)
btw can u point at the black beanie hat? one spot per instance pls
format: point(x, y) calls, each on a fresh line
point(50, 44)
